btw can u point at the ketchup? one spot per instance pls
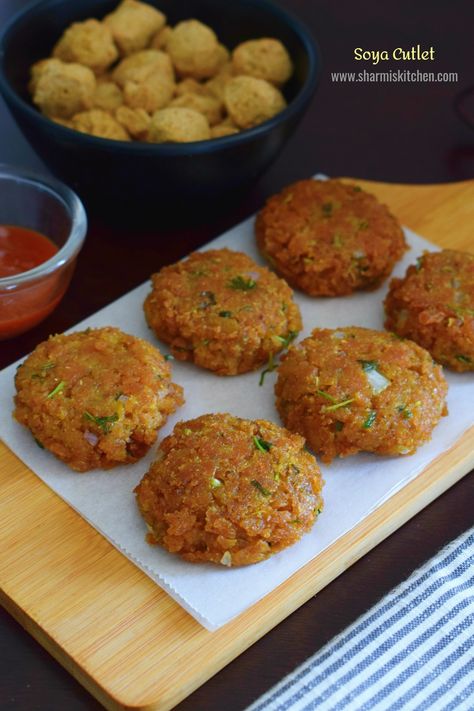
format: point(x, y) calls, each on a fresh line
point(25, 305)
point(22, 249)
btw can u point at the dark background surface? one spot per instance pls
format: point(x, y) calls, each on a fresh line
point(393, 132)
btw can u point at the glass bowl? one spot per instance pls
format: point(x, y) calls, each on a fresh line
point(47, 206)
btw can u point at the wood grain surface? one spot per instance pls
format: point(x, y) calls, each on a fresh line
point(119, 634)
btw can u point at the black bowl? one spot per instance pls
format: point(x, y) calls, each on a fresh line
point(145, 176)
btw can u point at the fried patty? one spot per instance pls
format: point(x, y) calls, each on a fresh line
point(222, 311)
point(329, 238)
point(355, 389)
point(95, 398)
point(434, 305)
point(230, 491)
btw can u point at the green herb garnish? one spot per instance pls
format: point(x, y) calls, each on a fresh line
point(289, 338)
point(368, 365)
point(326, 395)
point(261, 444)
point(463, 359)
point(260, 488)
point(356, 189)
point(406, 413)
point(339, 425)
point(344, 403)
point(60, 386)
point(105, 423)
point(242, 284)
point(168, 356)
point(327, 209)
point(41, 375)
point(225, 314)
point(370, 419)
point(215, 483)
point(419, 264)
point(271, 365)
point(363, 224)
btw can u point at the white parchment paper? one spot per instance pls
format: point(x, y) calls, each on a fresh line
point(354, 486)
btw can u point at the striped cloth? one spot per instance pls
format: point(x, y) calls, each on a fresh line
point(413, 650)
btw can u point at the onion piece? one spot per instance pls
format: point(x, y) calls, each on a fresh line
point(377, 381)
point(91, 437)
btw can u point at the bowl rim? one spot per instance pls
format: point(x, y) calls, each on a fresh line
point(176, 149)
point(77, 232)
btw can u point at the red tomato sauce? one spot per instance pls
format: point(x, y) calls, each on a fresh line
point(25, 305)
point(22, 249)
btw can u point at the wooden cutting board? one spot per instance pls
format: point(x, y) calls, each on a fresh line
point(106, 622)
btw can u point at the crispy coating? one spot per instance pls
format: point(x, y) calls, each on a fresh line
point(135, 121)
point(194, 50)
point(133, 24)
point(328, 238)
point(37, 69)
point(251, 101)
point(62, 90)
point(99, 123)
point(218, 83)
point(226, 128)
point(95, 398)
point(230, 491)
point(264, 58)
point(434, 306)
point(139, 67)
point(147, 80)
point(178, 125)
point(160, 39)
point(89, 43)
point(209, 106)
point(107, 96)
point(222, 311)
point(354, 389)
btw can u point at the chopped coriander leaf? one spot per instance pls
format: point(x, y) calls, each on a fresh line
point(271, 365)
point(289, 338)
point(463, 359)
point(368, 365)
point(327, 209)
point(40, 444)
point(356, 189)
point(261, 444)
point(215, 483)
point(319, 511)
point(225, 314)
point(326, 395)
point(339, 425)
point(105, 423)
point(168, 356)
point(344, 403)
point(295, 520)
point(370, 419)
point(419, 264)
point(363, 224)
point(208, 299)
point(405, 412)
point(242, 284)
point(260, 488)
point(41, 375)
point(60, 386)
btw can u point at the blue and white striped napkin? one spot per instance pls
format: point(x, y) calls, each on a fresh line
point(413, 650)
